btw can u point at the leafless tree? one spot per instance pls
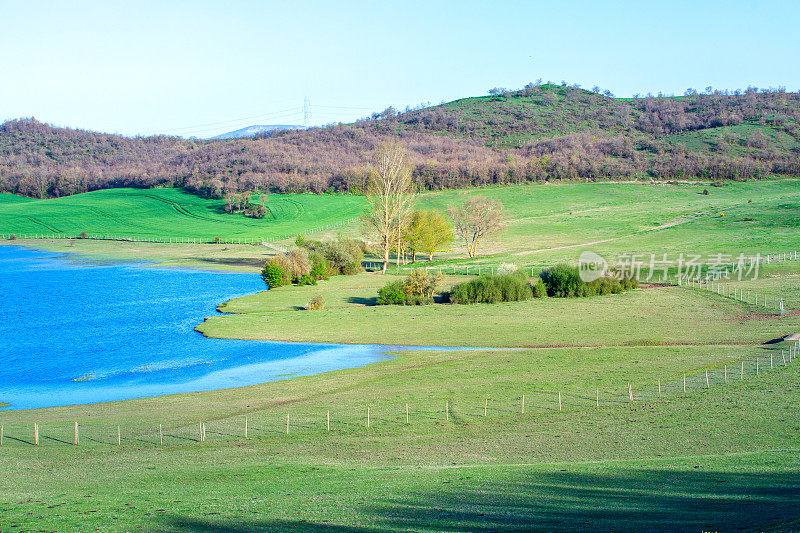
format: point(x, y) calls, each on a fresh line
point(475, 219)
point(390, 196)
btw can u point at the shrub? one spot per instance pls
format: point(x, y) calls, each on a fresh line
point(319, 265)
point(83, 235)
point(417, 289)
point(343, 256)
point(392, 294)
point(492, 289)
point(507, 268)
point(294, 263)
point(316, 303)
point(307, 279)
point(12, 237)
point(351, 268)
point(217, 240)
point(274, 276)
point(562, 281)
point(538, 288)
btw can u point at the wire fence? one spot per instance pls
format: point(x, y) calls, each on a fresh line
point(175, 239)
point(282, 421)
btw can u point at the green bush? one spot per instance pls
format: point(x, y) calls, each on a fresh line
point(392, 294)
point(538, 288)
point(563, 281)
point(417, 289)
point(319, 265)
point(512, 287)
point(343, 256)
point(307, 279)
point(274, 276)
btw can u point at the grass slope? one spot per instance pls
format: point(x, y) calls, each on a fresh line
point(171, 213)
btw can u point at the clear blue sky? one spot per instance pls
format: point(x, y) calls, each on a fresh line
point(200, 68)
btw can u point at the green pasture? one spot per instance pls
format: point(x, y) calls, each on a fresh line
point(718, 457)
point(171, 213)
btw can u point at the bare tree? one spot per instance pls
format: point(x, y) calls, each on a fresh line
point(391, 197)
point(475, 219)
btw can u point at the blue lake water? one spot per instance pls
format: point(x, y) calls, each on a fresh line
point(77, 331)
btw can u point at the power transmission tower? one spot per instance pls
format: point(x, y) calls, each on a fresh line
point(306, 111)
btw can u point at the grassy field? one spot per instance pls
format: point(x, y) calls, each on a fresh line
point(166, 213)
point(710, 459)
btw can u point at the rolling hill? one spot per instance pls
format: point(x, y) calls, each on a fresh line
point(539, 133)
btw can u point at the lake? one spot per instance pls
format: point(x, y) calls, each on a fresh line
point(76, 331)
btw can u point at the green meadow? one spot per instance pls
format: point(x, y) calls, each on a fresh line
point(171, 213)
point(532, 427)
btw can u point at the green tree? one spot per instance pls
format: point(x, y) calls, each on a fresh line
point(429, 232)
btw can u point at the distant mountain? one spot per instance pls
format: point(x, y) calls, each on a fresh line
point(252, 131)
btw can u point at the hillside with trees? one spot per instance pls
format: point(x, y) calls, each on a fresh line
point(539, 133)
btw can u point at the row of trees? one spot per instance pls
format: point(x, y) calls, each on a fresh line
point(392, 221)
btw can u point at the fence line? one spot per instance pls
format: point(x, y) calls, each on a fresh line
point(400, 412)
point(175, 240)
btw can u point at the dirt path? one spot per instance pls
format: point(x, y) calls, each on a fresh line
point(657, 228)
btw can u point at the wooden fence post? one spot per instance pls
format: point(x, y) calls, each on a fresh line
point(1, 434)
point(597, 397)
point(368, 415)
point(707, 386)
point(784, 357)
point(287, 423)
point(770, 361)
point(684, 382)
point(559, 400)
point(659, 387)
point(741, 377)
point(485, 406)
point(328, 418)
point(35, 433)
point(407, 420)
point(160, 435)
point(447, 410)
point(630, 392)
point(726, 373)
point(756, 366)
point(245, 427)
point(76, 434)
point(119, 436)
point(523, 404)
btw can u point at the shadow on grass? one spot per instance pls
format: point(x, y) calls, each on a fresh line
point(629, 501)
point(362, 301)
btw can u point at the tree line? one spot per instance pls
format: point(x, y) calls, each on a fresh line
point(539, 133)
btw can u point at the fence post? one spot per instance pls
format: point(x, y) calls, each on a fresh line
point(742, 375)
point(160, 435)
point(707, 386)
point(245, 427)
point(597, 397)
point(659, 387)
point(447, 410)
point(770, 361)
point(77, 441)
point(407, 421)
point(784, 357)
point(35, 434)
point(119, 436)
point(726, 373)
point(684, 382)
point(485, 406)
point(630, 392)
point(287, 423)
point(328, 416)
point(756, 366)
point(523, 404)
point(368, 413)
point(559, 400)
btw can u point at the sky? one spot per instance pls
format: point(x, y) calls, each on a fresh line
point(199, 68)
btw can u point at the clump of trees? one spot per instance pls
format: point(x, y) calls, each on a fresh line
point(508, 287)
point(475, 219)
point(312, 261)
point(242, 203)
point(564, 281)
point(417, 289)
